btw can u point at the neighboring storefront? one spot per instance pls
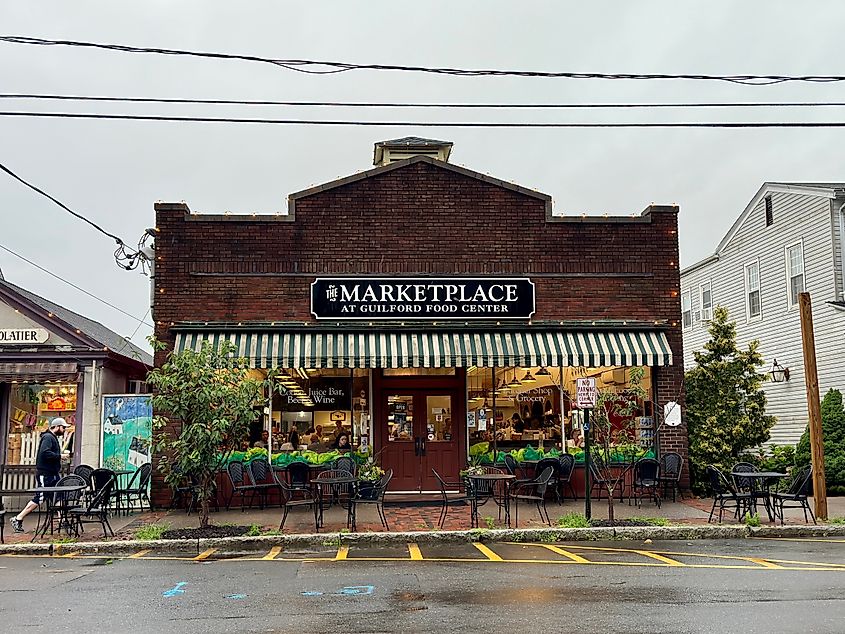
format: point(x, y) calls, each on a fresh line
point(54, 362)
point(426, 308)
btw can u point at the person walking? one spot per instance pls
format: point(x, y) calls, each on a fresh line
point(48, 467)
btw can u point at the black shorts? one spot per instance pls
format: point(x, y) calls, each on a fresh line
point(44, 481)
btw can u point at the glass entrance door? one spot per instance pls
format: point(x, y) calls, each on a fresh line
point(419, 436)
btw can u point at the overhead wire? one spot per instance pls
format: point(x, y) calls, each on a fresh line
point(326, 67)
point(447, 105)
point(79, 288)
point(430, 124)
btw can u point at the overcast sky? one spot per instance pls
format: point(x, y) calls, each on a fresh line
point(113, 171)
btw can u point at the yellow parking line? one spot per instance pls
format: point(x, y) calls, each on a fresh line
point(572, 556)
point(274, 552)
point(764, 563)
point(487, 552)
point(139, 554)
point(665, 560)
point(342, 553)
point(205, 554)
point(414, 550)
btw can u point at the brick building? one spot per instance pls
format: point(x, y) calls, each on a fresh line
point(440, 306)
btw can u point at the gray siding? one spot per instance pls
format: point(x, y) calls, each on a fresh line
point(797, 217)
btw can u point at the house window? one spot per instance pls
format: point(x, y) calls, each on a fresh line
point(795, 272)
point(753, 306)
point(769, 216)
point(706, 302)
point(686, 309)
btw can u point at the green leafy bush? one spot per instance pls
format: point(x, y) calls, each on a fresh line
point(651, 521)
point(151, 531)
point(833, 427)
point(752, 519)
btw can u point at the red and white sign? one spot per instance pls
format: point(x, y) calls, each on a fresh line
point(586, 389)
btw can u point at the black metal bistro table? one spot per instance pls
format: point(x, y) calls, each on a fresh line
point(56, 503)
point(765, 479)
point(333, 485)
point(483, 485)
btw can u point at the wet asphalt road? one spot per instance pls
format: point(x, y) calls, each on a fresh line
point(710, 587)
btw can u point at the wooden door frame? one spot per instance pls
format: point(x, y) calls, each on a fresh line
point(453, 384)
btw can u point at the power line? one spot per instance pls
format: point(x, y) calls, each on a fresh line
point(79, 288)
point(491, 106)
point(324, 67)
point(128, 339)
point(125, 256)
point(431, 124)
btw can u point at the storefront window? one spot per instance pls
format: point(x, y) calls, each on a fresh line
point(534, 405)
point(33, 406)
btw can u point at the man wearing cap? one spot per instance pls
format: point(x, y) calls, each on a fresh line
point(48, 467)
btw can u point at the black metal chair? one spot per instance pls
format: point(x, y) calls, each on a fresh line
point(138, 488)
point(646, 480)
point(261, 480)
point(795, 497)
point(97, 511)
point(99, 479)
point(239, 485)
point(748, 484)
point(534, 492)
point(345, 463)
point(376, 498)
point(482, 491)
point(567, 467)
point(299, 474)
point(449, 499)
point(671, 468)
point(295, 497)
point(515, 469)
point(726, 496)
point(554, 482)
point(329, 493)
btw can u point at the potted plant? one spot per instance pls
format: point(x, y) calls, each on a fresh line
point(369, 475)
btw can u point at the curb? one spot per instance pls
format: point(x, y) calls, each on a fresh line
point(242, 545)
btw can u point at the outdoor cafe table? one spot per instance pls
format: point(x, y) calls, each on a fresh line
point(55, 502)
point(492, 478)
point(333, 483)
point(765, 478)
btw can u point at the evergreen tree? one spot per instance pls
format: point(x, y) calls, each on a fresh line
point(725, 405)
point(833, 428)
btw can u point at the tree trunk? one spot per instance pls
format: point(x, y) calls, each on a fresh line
point(610, 517)
point(204, 501)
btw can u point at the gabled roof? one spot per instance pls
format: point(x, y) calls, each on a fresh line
point(413, 141)
point(88, 327)
point(826, 190)
point(382, 169)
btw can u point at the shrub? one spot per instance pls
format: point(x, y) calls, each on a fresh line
point(652, 521)
point(833, 428)
point(752, 519)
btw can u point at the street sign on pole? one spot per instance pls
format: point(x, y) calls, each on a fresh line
point(586, 392)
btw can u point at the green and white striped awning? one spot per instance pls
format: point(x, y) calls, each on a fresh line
point(338, 349)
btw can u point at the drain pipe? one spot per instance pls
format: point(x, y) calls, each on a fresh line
point(842, 249)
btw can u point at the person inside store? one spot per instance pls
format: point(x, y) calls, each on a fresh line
point(342, 443)
point(517, 424)
point(265, 437)
point(314, 443)
point(338, 430)
point(292, 442)
point(48, 467)
point(319, 431)
point(577, 438)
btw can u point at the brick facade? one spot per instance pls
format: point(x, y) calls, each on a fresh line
point(422, 217)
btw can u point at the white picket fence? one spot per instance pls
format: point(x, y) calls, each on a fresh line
point(29, 447)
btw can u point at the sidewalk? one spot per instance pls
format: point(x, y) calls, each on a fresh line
point(402, 518)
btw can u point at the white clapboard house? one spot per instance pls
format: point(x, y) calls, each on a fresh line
point(788, 239)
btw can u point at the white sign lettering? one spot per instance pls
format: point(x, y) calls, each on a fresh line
point(586, 389)
point(23, 336)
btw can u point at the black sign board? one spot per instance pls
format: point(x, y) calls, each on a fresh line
point(464, 298)
point(326, 394)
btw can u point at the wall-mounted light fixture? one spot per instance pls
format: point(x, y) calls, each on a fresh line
point(778, 373)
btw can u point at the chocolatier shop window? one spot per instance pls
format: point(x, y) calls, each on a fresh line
point(33, 406)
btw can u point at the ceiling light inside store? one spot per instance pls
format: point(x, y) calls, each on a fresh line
point(543, 371)
point(528, 378)
point(514, 382)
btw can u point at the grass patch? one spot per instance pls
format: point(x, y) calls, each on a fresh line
point(151, 532)
point(254, 530)
point(752, 519)
point(652, 521)
point(272, 533)
point(836, 520)
point(573, 520)
point(490, 522)
point(65, 540)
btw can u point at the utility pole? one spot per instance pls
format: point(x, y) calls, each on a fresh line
point(811, 378)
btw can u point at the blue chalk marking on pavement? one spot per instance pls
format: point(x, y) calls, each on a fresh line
point(177, 589)
point(356, 590)
point(312, 593)
point(236, 596)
